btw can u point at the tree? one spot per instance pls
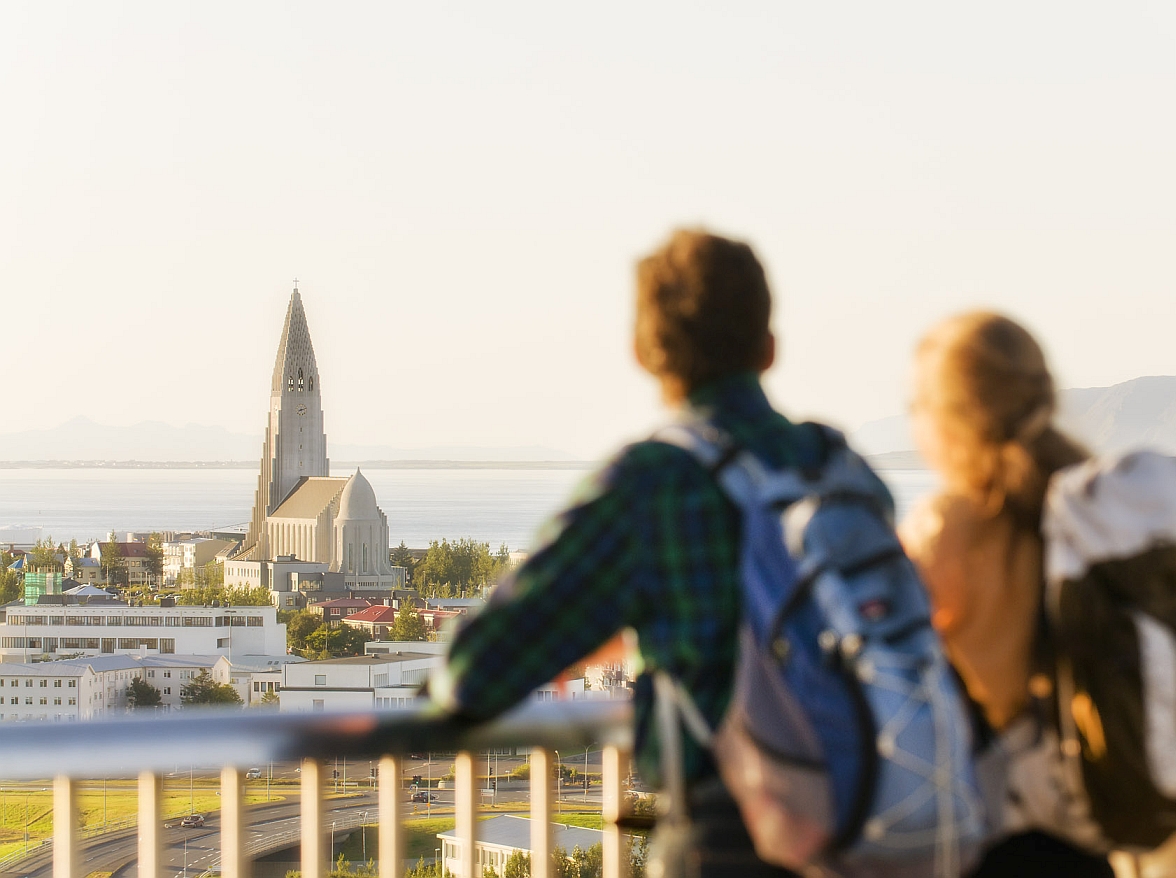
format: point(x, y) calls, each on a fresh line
point(270, 698)
point(114, 565)
point(328, 642)
point(449, 568)
point(154, 557)
point(402, 557)
point(237, 596)
point(10, 586)
point(205, 690)
point(409, 625)
point(141, 694)
point(299, 627)
point(518, 865)
point(44, 557)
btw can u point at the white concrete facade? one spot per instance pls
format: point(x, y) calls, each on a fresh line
point(49, 691)
point(357, 683)
point(46, 632)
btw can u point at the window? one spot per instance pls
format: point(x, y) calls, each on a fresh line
point(301, 383)
point(320, 679)
point(15, 701)
point(167, 690)
point(73, 684)
point(57, 700)
point(29, 683)
point(317, 704)
point(290, 382)
point(44, 701)
point(44, 684)
point(56, 684)
point(167, 645)
point(73, 701)
point(28, 699)
point(151, 675)
point(166, 674)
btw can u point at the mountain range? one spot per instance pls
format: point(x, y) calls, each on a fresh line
point(1139, 412)
point(81, 439)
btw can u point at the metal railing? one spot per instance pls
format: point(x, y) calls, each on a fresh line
point(148, 748)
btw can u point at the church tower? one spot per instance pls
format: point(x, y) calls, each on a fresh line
point(295, 443)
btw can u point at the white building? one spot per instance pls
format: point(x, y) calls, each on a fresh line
point(49, 691)
point(46, 632)
point(501, 836)
point(190, 554)
point(389, 676)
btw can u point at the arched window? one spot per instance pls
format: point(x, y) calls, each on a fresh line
point(290, 382)
point(365, 558)
point(300, 383)
point(310, 383)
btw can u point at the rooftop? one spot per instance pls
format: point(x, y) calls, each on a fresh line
point(510, 831)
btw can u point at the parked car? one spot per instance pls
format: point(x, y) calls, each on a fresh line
point(193, 820)
point(424, 797)
point(253, 773)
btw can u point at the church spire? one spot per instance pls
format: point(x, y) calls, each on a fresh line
point(295, 351)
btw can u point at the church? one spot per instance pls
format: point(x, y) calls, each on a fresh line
point(310, 531)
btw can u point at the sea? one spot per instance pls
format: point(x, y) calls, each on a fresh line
point(496, 506)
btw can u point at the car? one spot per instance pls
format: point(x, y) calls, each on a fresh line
point(424, 797)
point(193, 820)
point(253, 773)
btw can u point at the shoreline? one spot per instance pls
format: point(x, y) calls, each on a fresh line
point(252, 464)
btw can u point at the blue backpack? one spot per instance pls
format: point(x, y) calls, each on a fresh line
point(848, 743)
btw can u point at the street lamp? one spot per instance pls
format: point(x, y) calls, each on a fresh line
point(558, 782)
point(332, 841)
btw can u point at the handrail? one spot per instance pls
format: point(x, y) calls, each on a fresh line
point(233, 738)
point(217, 737)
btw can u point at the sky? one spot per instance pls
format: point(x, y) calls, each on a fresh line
point(462, 190)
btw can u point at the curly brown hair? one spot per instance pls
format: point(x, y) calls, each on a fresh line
point(703, 309)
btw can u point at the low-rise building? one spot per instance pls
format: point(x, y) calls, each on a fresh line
point(190, 554)
point(134, 559)
point(47, 632)
point(505, 835)
point(377, 621)
point(334, 612)
point(49, 691)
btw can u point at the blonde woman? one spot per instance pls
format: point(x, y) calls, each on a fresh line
point(982, 415)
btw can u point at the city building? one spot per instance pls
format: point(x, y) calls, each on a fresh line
point(388, 675)
point(45, 632)
point(377, 621)
point(300, 511)
point(49, 691)
point(85, 570)
point(502, 836)
point(333, 612)
point(134, 559)
point(190, 554)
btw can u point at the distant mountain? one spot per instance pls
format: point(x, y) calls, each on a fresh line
point(1139, 412)
point(154, 441)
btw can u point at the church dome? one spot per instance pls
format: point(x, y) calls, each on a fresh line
point(358, 500)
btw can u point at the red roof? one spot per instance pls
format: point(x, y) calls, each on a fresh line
point(377, 615)
point(133, 550)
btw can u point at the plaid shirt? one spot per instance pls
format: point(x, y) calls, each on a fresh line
point(649, 542)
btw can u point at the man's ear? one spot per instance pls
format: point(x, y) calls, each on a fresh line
point(769, 355)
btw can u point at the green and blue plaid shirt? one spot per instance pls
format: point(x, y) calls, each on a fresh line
point(650, 543)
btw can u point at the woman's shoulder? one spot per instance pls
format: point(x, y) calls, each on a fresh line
point(942, 519)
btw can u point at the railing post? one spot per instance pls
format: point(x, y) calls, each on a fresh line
point(542, 833)
point(613, 768)
point(65, 828)
point(391, 812)
point(233, 861)
point(150, 825)
point(466, 814)
point(313, 855)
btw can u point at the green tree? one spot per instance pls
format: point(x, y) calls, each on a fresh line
point(402, 557)
point(114, 565)
point(328, 642)
point(10, 585)
point(141, 694)
point(237, 596)
point(270, 699)
point(154, 558)
point(205, 690)
point(299, 627)
point(457, 568)
point(409, 625)
point(518, 865)
point(44, 557)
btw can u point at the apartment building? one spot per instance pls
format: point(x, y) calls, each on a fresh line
point(51, 691)
point(47, 632)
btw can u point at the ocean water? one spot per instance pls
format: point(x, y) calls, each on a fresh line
point(491, 505)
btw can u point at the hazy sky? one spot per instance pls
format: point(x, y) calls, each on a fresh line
point(462, 190)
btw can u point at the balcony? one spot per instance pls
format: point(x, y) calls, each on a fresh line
point(65, 756)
